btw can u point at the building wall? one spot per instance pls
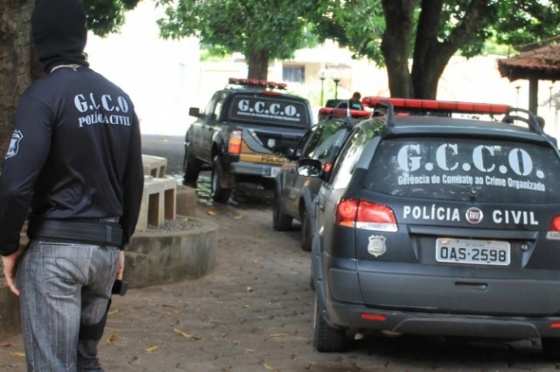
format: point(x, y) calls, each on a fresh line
point(15, 61)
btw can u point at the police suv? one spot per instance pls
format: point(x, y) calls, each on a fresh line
point(242, 134)
point(435, 225)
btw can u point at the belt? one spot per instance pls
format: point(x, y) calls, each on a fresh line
point(98, 233)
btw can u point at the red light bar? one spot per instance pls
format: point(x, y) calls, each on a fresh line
point(434, 105)
point(326, 112)
point(555, 325)
point(258, 83)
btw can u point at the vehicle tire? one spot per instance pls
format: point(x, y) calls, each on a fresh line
point(551, 348)
point(191, 167)
point(219, 194)
point(305, 231)
point(280, 221)
point(325, 338)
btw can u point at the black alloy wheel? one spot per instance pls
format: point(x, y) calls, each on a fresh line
point(219, 194)
point(191, 167)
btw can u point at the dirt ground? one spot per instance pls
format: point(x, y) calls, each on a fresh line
point(254, 313)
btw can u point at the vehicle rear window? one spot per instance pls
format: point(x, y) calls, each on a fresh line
point(466, 170)
point(269, 110)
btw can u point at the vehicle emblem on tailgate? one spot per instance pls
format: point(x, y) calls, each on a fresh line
point(474, 216)
point(377, 246)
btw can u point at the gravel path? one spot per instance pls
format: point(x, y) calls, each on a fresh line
point(254, 314)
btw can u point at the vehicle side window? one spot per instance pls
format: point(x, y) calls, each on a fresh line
point(349, 157)
point(210, 106)
point(312, 142)
point(329, 147)
point(218, 108)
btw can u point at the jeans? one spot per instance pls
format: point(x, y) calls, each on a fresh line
point(65, 288)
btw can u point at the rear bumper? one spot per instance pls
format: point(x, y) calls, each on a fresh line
point(350, 316)
point(440, 304)
point(257, 170)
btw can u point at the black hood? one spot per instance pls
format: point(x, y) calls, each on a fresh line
point(59, 32)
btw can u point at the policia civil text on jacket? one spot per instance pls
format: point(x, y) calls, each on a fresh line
point(74, 170)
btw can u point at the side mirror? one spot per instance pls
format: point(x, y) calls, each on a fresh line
point(194, 112)
point(309, 168)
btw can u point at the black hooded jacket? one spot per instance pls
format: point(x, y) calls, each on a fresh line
point(75, 154)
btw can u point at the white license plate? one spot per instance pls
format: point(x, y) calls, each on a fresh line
point(273, 172)
point(474, 252)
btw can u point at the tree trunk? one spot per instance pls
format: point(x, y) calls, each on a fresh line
point(396, 45)
point(15, 61)
point(258, 64)
point(425, 72)
point(431, 56)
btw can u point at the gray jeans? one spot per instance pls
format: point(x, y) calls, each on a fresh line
point(65, 288)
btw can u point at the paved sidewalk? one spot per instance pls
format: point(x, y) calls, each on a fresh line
point(254, 314)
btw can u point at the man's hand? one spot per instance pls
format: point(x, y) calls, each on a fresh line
point(10, 263)
point(120, 266)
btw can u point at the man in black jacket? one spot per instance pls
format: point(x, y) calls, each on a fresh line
point(74, 169)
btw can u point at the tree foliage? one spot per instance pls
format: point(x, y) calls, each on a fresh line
point(260, 29)
point(430, 32)
point(105, 16)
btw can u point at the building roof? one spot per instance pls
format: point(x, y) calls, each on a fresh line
point(542, 63)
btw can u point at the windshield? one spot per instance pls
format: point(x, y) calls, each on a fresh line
point(269, 110)
point(466, 170)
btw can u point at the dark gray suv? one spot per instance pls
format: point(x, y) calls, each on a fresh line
point(435, 225)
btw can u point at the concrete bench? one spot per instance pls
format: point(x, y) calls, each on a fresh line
point(159, 202)
point(154, 166)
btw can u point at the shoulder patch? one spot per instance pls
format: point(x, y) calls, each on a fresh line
point(15, 141)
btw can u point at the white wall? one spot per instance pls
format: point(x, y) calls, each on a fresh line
point(165, 77)
point(161, 76)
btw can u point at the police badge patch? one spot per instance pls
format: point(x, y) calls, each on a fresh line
point(13, 150)
point(377, 246)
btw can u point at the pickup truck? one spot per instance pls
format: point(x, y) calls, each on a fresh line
point(243, 133)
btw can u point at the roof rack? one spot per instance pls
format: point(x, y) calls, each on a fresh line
point(258, 83)
point(531, 120)
point(391, 105)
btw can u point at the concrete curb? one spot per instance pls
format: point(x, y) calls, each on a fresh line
point(155, 258)
point(152, 259)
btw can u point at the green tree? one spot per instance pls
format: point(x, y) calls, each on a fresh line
point(105, 16)
point(260, 29)
point(430, 32)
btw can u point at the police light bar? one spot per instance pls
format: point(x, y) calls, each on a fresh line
point(258, 83)
point(434, 105)
point(330, 112)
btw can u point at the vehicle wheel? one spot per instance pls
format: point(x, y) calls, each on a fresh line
point(305, 231)
point(551, 348)
point(325, 338)
point(191, 167)
point(280, 221)
point(219, 194)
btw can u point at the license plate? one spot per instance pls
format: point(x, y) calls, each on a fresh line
point(272, 172)
point(473, 252)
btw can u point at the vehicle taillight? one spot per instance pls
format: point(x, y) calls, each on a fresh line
point(366, 215)
point(327, 167)
point(555, 224)
point(346, 213)
point(234, 145)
